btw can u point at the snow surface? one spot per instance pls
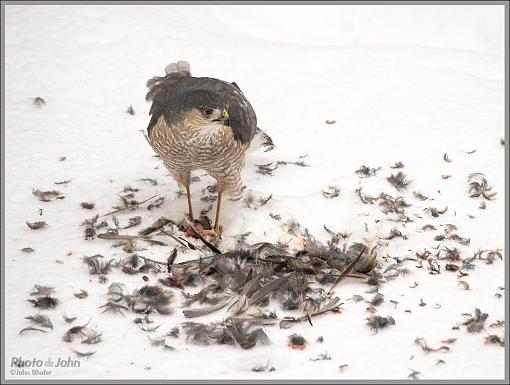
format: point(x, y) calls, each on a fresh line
point(403, 83)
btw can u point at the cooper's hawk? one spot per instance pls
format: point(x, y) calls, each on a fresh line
point(200, 123)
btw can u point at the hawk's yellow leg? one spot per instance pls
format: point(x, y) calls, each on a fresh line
point(218, 208)
point(190, 208)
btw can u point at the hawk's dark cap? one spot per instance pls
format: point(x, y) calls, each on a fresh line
point(178, 93)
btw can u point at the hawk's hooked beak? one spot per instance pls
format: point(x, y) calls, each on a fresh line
point(225, 117)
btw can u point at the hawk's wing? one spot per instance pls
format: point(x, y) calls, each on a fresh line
point(169, 98)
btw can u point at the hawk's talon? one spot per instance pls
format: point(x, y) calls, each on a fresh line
point(218, 230)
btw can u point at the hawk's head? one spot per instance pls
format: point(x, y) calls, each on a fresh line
point(206, 115)
point(202, 108)
point(200, 101)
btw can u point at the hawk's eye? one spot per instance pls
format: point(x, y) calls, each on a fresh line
point(207, 111)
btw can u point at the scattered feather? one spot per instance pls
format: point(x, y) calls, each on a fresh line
point(30, 328)
point(42, 290)
point(86, 334)
point(322, 357)
point(82, 354)
point(476, 323)
point(424, 346)
point(331, 192)
point(152, 181)
point(479, 187)
point(38, 101)
point(98, 265)
point(69, 320)
point(45, 302)
point(157, 203)
point(378, 322)
point(399, 181)
point(420, 196)
point(398, 165)
point(292, 227)
point(464, 285)
point(366, 172)
point(40, 319)
point(494, 339)
point(435, 212)
point(37, 225)
point(47, 196)
point(62, 182)
point(263, 368)
point(82, 294)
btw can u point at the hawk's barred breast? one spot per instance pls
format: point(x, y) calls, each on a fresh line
point(216, 152)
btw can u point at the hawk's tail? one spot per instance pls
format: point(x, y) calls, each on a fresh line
point(158, 83)
point(261, 140)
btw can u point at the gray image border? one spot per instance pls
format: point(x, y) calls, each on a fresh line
point(290, 3)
